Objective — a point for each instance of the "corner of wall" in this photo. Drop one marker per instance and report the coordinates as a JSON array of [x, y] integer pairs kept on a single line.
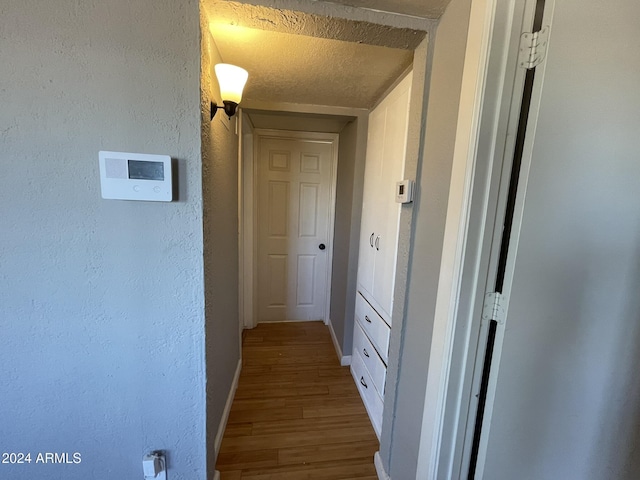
[[400, 444], [220, 147]]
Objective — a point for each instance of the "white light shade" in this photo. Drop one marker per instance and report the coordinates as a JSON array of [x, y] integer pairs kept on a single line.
[[231, 80]]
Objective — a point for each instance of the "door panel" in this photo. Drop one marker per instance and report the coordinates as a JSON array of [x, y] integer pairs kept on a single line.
[[567, 389], [277, 274], [389, 211], [308, 220], [306, 275], [370, 201], [279, 203], [294, 211]]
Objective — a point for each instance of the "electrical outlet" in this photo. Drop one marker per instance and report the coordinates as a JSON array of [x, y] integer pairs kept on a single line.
[[154, 466]]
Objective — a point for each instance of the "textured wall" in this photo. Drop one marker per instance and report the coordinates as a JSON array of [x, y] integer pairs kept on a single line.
[[354, 237], [220, 201], [340, 286], [430, 208], [101, 301], [423, 56]]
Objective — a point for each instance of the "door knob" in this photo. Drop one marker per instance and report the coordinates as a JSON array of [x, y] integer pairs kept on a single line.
[[321, 246]]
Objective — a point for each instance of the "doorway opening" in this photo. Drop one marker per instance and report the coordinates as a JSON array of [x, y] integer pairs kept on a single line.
[[304, 82]]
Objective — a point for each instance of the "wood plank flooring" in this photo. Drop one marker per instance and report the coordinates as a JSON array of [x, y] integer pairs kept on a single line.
[[296, 414]]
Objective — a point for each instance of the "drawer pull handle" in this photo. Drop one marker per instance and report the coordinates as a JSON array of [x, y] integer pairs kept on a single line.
[[364, 350], [367, 319], [363, 382], [378, 242], [371, 239]]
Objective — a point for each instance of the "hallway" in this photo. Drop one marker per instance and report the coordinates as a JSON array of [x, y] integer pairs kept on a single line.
[[297, 413]]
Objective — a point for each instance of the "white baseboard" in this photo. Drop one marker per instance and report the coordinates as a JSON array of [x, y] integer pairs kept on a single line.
[[225, 413], [377, 461], [345, 360]]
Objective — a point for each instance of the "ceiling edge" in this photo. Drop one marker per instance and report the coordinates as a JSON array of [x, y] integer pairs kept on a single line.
[[346, 12]]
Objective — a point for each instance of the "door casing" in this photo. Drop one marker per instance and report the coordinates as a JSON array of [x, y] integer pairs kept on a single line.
[[484, 140]]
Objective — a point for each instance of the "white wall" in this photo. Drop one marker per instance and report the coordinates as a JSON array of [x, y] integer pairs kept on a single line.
[[101, 301]]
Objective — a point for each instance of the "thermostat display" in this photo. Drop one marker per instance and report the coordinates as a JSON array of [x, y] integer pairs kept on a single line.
[[404, 191], [135, 176], [145, 170]]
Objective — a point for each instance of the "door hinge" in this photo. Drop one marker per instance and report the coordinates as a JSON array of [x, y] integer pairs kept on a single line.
[[493, 308], [533, 48]]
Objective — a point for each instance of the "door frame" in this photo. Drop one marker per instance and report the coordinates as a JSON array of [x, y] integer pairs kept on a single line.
[[483, 142], [249, 198]]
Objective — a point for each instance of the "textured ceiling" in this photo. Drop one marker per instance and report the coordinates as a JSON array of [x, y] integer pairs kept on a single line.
[[284, 67], [315, 52], [223, 12], [416, 8]]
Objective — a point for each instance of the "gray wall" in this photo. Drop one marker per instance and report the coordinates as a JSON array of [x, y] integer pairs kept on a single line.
[[354, 238], [220, 226], [568, 388], [345, 259], [101, 301], [400, 446], [422, 59]]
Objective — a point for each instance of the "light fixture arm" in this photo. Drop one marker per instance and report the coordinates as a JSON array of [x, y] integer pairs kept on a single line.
[[229, 108]]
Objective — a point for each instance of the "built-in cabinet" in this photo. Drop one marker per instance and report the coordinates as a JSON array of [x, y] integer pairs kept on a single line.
[[386, 147]]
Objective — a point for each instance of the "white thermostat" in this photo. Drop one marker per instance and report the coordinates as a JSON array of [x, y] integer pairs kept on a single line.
[[135, 176], [404, 191]]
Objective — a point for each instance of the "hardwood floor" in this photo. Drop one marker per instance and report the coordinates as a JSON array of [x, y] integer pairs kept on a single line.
[[297, 414]]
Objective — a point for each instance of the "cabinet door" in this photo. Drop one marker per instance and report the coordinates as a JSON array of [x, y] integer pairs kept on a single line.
[[388, 211], [370, 203]]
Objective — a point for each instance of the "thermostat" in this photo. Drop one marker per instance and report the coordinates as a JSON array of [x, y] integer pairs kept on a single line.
[[404, 191], [135, 176]]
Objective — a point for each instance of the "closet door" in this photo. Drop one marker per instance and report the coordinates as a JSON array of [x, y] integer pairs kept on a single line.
[[369, 230], [396, 108]]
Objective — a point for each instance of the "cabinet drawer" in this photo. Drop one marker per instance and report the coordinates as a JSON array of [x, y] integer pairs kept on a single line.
[[370, 397], [375, 366], [373, 325]]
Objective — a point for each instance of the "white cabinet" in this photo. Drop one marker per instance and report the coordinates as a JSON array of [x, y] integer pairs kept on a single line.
[[372, 400], [386, 147]]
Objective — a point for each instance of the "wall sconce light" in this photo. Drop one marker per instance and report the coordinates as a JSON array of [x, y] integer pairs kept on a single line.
[[232, 80]]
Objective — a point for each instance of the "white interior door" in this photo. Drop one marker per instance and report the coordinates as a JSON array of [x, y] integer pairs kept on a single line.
[[370, 202], [394, 149], [296, 196]]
